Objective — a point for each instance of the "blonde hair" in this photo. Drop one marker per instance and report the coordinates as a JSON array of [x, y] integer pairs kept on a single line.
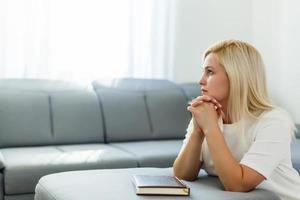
[[248, 95]]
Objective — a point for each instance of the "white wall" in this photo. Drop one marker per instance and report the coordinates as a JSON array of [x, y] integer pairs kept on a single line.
[[273, 26], [267, 39], [276, 33], [200, 23], [290, 65]]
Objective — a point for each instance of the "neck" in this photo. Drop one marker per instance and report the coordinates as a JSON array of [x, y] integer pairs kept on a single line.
[[225, 117], [226, 120]]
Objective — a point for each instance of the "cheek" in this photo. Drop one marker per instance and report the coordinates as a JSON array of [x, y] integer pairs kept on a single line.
[[224, 91], [221, 88], [224, 87]]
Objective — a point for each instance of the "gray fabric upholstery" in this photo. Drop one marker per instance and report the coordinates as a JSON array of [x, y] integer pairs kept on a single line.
[[44, 113], [20, 197], [76, 117], [192, 90], [298, 131], [295, 151], [1, 186], [24, 115], [48, 112], [145, 84], [125, 115], [97, 185], [160, 153], [168, 113], [1, 161], [24, 166], [159, 105], [166, 103]]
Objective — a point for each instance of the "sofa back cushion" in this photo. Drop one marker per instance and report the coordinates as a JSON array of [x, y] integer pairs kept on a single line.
[[24, 118], [41, 112], [142, 109], [169, 116], [191, 90], [76, 117], [125, 114]]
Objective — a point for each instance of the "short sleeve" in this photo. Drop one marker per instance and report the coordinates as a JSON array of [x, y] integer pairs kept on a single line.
[[271, 144]]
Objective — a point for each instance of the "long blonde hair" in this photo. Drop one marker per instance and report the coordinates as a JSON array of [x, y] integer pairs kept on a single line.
[[248, 95]]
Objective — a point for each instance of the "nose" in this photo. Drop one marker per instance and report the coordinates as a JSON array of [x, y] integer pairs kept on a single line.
[[202, 80]]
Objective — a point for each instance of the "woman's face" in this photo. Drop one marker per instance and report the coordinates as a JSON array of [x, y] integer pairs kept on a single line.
[[214, 81]]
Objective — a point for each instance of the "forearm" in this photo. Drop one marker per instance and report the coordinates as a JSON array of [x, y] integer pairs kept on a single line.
[[229, 170], [187, 164]]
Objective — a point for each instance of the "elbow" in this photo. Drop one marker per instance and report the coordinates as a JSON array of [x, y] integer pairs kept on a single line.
[[234, 189], [183, 176], [186, 178], [237, 188]]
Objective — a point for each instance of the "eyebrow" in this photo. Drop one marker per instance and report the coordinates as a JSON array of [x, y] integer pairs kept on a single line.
[[209, 67]]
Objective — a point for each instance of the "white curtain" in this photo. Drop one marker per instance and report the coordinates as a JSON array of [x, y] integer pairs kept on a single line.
[[86, 39]]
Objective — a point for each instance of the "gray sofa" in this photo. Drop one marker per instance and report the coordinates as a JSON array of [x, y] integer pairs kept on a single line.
[[53, 126]]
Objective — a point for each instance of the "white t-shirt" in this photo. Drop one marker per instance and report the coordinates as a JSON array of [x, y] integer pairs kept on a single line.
[[266, 149]]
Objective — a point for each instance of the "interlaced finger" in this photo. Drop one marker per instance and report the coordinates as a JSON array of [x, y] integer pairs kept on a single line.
[[200, 99]]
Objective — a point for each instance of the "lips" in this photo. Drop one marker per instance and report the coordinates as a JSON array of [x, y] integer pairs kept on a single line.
[[203, 90]]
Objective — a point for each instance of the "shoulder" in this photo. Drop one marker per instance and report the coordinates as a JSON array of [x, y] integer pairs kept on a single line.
[[276, 113], [275, 123]]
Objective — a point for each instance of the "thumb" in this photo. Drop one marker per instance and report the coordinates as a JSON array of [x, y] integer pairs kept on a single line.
[[221, 113], [191, 108]]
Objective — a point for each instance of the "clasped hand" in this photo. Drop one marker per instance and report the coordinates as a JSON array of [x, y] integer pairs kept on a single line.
[[205, 111]]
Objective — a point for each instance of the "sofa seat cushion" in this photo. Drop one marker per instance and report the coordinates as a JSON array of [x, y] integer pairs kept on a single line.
[[160, 153], [25, 166], [295, 150]]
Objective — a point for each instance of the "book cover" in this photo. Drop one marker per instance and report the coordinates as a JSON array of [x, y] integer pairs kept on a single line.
[[159, 185]]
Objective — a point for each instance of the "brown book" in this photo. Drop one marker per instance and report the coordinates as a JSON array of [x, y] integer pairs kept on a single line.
[[160, 185]]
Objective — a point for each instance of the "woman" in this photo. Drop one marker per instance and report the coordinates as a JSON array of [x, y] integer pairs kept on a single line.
[[235, 131]]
